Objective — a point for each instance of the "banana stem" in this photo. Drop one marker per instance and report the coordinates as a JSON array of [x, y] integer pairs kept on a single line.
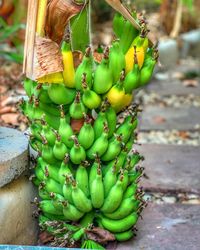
[[41, 17]]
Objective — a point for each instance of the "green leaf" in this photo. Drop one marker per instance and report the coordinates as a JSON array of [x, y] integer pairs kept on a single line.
[[12, 56]]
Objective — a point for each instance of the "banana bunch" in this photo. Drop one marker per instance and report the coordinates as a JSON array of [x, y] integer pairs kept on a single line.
[[86, 170]]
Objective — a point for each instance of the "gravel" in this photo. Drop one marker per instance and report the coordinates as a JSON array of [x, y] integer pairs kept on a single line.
[[173, 137]]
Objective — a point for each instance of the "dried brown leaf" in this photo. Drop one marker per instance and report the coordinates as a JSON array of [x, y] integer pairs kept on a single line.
[[78, 56], [45, 237], [58, 14], [190, 83], [99, 235], [48, 57], [159, 119]]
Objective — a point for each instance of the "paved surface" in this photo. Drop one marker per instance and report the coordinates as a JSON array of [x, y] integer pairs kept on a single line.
[[17, 225], [171, 168], [176, 88], [13, 156], [169, 118], [167, 227]]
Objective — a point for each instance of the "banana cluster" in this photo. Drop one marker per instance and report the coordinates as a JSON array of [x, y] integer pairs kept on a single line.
[[86, 170]]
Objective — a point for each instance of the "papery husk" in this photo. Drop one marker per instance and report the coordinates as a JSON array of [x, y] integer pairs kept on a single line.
[[58, 14], [48, 58]]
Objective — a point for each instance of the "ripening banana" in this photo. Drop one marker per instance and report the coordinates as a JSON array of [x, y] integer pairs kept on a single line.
[[68, 63]]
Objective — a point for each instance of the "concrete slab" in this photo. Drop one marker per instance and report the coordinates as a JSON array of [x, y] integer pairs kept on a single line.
[[167, 227], [171, 168], [17, 225], [176, 87], [169, 118], [13, 154]]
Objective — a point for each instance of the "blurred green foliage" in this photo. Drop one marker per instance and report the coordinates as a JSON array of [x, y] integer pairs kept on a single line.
[[10, 33]]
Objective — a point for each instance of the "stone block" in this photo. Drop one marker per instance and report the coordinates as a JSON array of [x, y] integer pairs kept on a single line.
[[169, 53], [13, 155]]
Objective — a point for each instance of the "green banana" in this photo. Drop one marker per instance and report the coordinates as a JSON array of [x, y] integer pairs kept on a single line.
[[47, 152], [52, 172], [147, 71], [77, 109], [48, 133], [93, 171], [47, 207], [90, 99], [87, 219], [132, 80], [126, 207], [135, 174], [52, 120], [133, 160], [118, 226], [29, 85], [52, 109], [57, 200], [130, 191], [126, 128], [35, 131], [128, 35], [64, 170], [43, 194], [116, 61], [54, 217], [77, 152], [79, 199], [99, 124], [59, 149], [111, 118], [39, 173], [84, 68], [125, 180], [77, 235], [100, 145], [103, 76], [113, 150], [114, 198], [67, 189], [71, 212], [52, 185], [43, 96], [86, 134], [110, 180], [65, 130], [60, 94], [124, 236], [82, 178], [97, 190], [118, 24]]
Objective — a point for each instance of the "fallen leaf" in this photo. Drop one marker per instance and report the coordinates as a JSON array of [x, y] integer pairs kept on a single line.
[[178, 75], [11, 118], [7, 109], [190, 83], [3, 89], [45, 237], [184, 134], [99, 235], [159, 119]]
